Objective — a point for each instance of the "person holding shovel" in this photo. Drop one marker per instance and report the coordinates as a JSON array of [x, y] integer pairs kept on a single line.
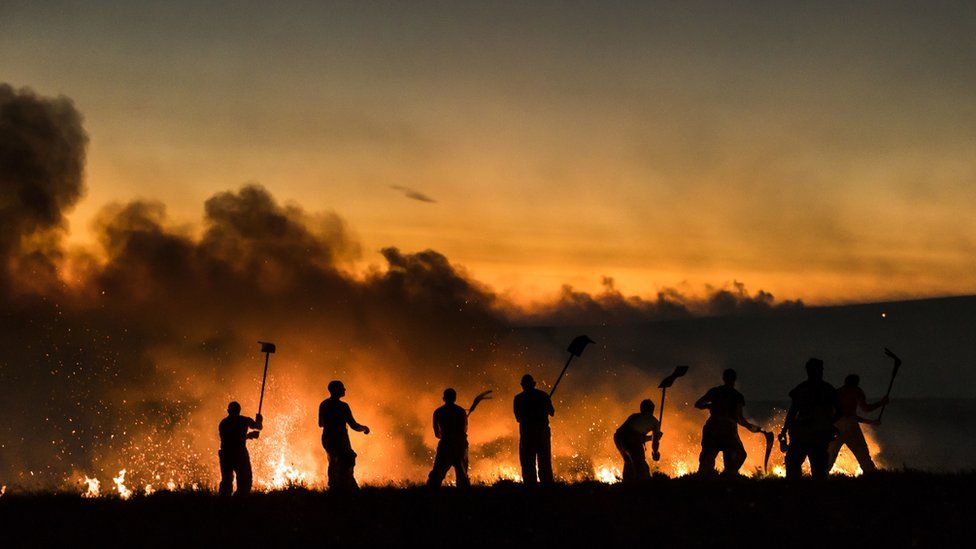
[[334, 416], [630, 438], [850, 397], [721, 431], [235, 431], [451, 430], [532, 410]]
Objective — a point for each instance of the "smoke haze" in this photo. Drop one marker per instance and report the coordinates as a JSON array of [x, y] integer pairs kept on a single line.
[[125, 355]]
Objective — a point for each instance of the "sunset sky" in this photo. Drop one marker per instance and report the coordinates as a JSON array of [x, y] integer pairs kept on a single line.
[[819, 151]]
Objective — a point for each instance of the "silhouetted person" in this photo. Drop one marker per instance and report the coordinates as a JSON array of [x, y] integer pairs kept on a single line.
[[630, 438], [334, 416], [850, 397], [235, 430], [451, 430], [532, 410], [810, 423], [721, 431]]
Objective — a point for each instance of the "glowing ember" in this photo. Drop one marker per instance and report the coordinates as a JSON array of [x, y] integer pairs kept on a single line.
[[93, 487], [3, 490], [124, 492]]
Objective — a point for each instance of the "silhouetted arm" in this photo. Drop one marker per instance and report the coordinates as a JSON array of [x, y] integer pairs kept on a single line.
[[863, 404], [517, 409], [549, 409], [741, 419], [790, 417], [356, 426], [437, 427], [322, 415], [704, 402], [257, 425]]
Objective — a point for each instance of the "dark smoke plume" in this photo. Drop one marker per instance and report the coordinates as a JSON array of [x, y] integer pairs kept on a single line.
[[42, 157]]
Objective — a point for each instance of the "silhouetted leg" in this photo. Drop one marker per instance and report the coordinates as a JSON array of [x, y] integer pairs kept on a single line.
[[226, 474], [859, 447], [244, 477], [628, 474], [733, 456], [461, 468], [795, 455], [441, 464], [545, 459], [833, 450], [706, 460], [527, 455], [342, 463], [642, 471], [818, 460]]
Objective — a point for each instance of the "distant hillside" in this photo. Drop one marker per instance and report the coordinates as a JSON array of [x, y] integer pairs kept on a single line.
[[935, 337]]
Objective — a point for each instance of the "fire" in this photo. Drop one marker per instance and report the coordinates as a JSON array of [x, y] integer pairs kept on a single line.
[[93, 487], [286, 475], [149, 490], [508, 472], [3, 490], [607, 474], [124, 492]]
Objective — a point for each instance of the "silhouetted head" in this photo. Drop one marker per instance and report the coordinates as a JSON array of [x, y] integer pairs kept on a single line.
[[729, 376], [852, 380], [450, 395], [337, 389], [647, 406], [528, 382], [234, 408], [814, 369]]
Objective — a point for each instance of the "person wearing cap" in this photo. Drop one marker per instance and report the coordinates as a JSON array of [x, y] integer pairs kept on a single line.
[[532, 411]]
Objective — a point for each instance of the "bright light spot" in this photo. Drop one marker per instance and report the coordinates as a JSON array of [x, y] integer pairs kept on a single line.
[[93, 487], [124, 492], [607, 474]]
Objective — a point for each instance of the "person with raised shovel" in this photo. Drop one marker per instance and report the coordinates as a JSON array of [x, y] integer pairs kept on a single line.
[[851, 397], [721, 431], [235, 430], [451, 430], [630, 438], [532, 410]]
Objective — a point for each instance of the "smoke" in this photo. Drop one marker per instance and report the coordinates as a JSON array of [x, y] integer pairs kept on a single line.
[[130, 361], [612, 307], [42, 156]]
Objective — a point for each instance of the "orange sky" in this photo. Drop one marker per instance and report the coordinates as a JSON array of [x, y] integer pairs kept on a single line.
[[816, 152]]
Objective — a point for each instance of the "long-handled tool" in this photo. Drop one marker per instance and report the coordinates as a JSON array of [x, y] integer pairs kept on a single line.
[[665, 383], [481, 396], [575, 349], [267, 349], [894, 372]]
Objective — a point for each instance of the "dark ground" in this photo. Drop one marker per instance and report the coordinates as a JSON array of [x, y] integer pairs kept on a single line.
[[900, 509]]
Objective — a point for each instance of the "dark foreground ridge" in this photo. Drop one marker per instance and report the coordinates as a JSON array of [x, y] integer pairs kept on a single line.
[[888, 509]]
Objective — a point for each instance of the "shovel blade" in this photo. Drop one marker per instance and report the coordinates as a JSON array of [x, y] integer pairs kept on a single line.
[[669, 381], [267, 347], [578, 344]]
